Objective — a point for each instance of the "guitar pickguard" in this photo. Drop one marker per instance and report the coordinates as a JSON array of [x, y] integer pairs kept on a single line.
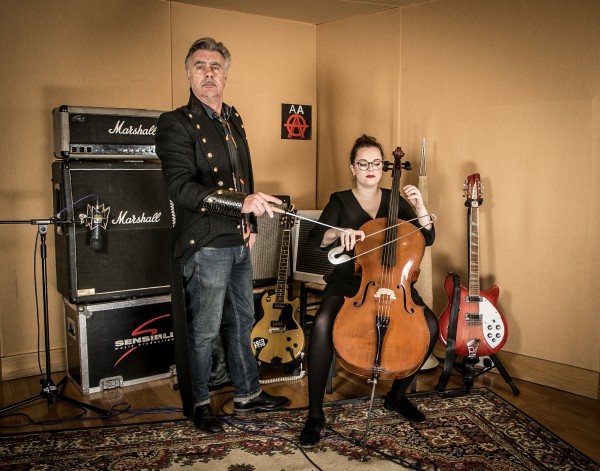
[[492, 324]]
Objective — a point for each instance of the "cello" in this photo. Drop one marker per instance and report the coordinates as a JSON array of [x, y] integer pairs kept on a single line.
[[381, 332]]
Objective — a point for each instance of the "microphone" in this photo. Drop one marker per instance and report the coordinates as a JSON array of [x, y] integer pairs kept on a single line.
[[96, 238]]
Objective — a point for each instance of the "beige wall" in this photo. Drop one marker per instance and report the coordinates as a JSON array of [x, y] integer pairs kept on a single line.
[[126, 54], [510, 90], [358, 85]]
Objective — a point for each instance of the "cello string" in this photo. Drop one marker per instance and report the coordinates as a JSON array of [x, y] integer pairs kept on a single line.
[[382, 283], [388, 301], [390, 251]]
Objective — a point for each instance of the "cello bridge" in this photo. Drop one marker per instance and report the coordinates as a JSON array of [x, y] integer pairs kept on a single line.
[[385, 292]]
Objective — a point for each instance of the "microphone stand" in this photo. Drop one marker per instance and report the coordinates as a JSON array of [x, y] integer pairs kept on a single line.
[[49, 390]]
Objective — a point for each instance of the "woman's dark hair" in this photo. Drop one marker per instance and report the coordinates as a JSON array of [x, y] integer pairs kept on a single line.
[[364, 141]]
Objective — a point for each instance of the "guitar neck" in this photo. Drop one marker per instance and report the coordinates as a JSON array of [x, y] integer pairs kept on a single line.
[[284, 262], [474, 287]]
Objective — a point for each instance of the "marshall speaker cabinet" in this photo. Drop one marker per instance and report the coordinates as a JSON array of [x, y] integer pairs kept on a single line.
[[114, 241], [104, 133], [120, 343]]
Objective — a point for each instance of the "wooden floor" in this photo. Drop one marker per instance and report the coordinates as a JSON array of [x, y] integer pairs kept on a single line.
[[575, 419]]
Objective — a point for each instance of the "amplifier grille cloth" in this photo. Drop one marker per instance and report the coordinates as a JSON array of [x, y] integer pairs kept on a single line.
[[266, 251], [309, 264]]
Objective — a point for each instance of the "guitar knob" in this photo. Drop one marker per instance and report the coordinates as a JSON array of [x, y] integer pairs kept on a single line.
[[490, 327], [497, 336], [489, 336], [498, 327]]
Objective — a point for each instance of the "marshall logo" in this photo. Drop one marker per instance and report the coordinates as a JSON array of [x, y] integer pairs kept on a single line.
[[125, 218], [139, 131]]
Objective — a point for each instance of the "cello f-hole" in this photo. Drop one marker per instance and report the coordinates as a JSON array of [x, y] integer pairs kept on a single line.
[[362, 301], [410, 311]]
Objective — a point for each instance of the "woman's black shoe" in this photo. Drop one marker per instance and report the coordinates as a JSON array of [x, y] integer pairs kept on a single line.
[[404, 408], [311, 433]]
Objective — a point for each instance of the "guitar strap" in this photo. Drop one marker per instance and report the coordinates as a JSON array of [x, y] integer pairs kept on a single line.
[[451, 341]]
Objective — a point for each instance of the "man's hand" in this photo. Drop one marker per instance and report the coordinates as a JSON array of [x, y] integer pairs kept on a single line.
[[259, 203]]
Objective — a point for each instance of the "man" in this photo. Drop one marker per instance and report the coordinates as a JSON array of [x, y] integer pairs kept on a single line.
[[208, 172]]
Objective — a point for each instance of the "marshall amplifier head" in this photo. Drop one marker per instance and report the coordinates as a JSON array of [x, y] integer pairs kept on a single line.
[[104, 133]]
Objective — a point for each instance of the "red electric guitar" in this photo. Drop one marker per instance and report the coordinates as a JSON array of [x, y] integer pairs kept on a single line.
[[481, 329]]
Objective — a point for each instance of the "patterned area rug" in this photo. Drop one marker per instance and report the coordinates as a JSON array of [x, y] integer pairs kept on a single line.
[[479, 431]]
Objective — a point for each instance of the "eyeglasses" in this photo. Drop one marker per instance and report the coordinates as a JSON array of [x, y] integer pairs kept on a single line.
[[364, 165]]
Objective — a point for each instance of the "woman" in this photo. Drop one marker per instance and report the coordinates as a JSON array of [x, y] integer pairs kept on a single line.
[[350, 209]]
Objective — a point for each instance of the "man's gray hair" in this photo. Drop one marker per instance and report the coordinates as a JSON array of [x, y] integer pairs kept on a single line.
[[209, 44]]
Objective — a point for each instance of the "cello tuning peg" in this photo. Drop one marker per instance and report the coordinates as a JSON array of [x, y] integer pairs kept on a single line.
[[406, 165]]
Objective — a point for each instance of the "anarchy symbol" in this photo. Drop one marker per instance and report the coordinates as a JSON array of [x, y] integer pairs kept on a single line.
[[296, 126]]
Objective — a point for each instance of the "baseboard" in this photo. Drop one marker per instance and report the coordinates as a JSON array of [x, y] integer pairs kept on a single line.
[[547, 373], [22, 366]]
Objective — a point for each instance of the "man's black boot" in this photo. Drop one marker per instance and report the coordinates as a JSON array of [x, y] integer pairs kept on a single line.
[[205, 420], [264, 402]]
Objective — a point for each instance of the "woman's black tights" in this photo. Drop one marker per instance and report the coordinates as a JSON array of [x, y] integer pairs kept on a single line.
[[320, 353]]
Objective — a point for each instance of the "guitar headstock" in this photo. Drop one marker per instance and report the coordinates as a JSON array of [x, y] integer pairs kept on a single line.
[[473, 189], [287, 219]]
